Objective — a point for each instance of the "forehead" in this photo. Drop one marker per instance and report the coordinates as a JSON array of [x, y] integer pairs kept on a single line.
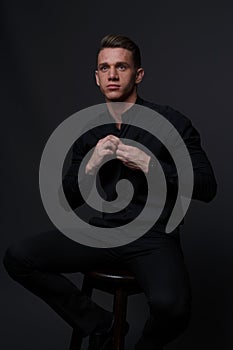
[[113, 55]]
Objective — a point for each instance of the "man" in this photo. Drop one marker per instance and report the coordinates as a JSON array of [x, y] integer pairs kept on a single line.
[[156, 258]]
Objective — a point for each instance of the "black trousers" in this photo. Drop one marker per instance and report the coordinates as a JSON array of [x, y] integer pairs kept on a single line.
[[39, 262]]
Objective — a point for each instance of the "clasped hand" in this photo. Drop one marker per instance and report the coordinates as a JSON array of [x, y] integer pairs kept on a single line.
[[130, 156]]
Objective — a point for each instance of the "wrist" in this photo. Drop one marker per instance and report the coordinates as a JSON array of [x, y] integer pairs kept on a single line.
[[89, 170], [152, 164], [146, 164]]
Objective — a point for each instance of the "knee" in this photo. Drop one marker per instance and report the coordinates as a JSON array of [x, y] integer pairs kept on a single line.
[[14, 260], [170, 306]]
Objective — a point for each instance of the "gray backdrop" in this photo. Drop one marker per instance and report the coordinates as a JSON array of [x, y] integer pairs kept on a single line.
[[48, 59]]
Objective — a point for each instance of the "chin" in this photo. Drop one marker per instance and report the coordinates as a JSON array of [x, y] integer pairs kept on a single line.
[[116, 97]]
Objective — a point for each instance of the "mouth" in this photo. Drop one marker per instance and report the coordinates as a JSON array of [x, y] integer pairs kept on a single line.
[[113, 86]]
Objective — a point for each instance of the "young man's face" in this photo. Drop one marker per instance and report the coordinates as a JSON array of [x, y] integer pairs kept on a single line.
[[117, 76]]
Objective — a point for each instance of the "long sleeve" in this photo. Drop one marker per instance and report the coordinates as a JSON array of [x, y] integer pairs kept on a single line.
[[71, 182], [205, 185]]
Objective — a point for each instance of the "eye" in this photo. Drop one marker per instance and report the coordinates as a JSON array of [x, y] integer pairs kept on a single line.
[[121, 67], [103, 68]]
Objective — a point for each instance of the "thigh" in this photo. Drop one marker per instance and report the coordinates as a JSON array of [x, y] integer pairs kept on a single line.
[[158, 264], [53, 251]]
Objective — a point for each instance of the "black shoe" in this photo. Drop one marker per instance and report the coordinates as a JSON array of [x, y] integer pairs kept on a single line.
[[104, 340]]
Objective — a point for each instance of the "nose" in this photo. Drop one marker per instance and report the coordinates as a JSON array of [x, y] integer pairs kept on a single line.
[[113, 75]]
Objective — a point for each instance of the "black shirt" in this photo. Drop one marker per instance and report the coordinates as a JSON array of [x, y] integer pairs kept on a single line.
[[112, 171]]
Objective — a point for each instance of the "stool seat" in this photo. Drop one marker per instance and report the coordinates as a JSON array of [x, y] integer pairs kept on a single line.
[[121, 275], [110, 280]]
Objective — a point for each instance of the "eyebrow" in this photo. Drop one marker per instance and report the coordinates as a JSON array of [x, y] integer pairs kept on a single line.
[[117, 63]]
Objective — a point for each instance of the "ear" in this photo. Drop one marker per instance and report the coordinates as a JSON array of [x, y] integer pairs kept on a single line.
[[139, 75], [97, 78]]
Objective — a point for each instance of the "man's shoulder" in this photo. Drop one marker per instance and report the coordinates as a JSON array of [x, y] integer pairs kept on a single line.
[[179, 120]]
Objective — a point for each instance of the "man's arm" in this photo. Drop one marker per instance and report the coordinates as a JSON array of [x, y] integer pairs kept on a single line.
[[205, 185], [70, 180], [73, 180]]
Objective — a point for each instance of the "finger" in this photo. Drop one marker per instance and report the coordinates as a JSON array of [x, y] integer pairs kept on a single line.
[[114, 138], [131, 165], [123, 147], [106, 152], [121, 154], [109, 145], [111, 138], [122, 159]]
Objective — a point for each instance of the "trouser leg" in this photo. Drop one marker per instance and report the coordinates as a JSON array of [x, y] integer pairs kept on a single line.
[[38, 263], [158, 264]]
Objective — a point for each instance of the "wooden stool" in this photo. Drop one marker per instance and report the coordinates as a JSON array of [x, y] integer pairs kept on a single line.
[[120, 283]]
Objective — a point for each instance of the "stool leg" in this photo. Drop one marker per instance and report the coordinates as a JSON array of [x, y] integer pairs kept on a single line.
[[77, 339], [120, 308]]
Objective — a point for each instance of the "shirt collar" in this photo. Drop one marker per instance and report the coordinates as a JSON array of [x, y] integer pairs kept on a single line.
[[130, 113]]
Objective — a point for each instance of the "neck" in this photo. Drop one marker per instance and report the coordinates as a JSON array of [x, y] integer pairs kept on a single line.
[[117, 108]]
